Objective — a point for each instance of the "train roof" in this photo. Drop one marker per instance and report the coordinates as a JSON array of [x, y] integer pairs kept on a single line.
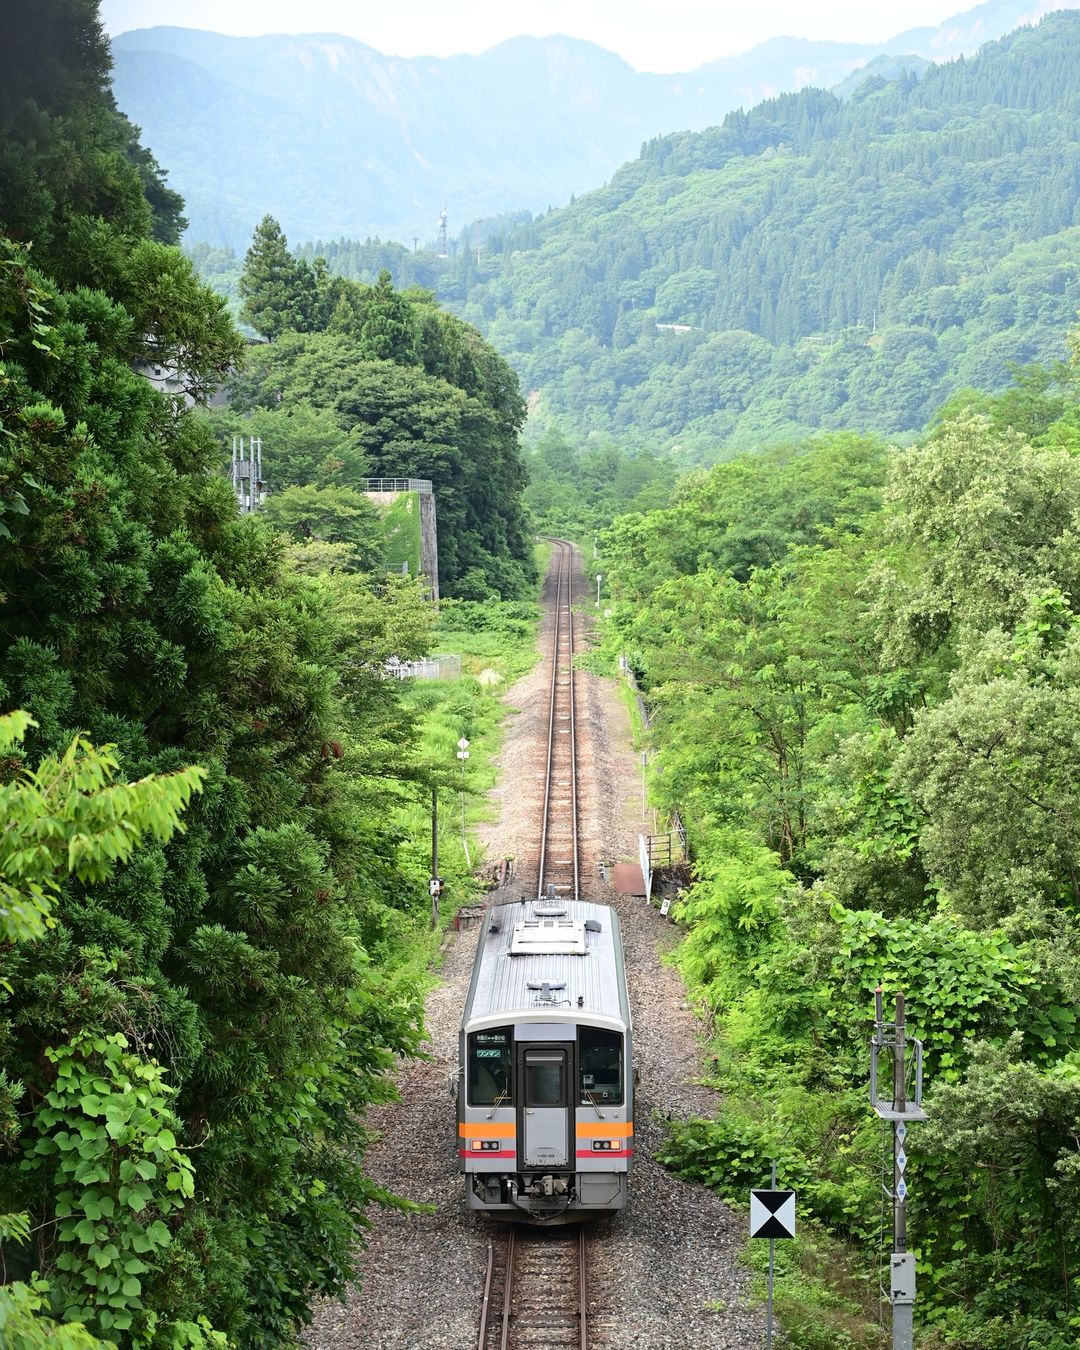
[[536, 959]]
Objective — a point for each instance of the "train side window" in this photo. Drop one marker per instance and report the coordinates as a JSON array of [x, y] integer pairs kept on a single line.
[[545, 1078], [490, 1062], [600, 1066]]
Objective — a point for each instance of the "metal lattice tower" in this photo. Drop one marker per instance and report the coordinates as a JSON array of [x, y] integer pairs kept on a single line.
[[246, 473], [441, 249]]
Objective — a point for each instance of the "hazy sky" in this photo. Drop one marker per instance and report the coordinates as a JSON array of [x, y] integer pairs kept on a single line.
[[667, 36]]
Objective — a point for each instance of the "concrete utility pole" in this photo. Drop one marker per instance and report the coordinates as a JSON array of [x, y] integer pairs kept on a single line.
[[893, 1039]]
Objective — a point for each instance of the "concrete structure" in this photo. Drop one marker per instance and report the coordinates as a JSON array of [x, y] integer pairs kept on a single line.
[[385, 493]]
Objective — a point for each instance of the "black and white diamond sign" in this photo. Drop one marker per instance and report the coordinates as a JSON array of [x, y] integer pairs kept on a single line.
[[772, 1214]]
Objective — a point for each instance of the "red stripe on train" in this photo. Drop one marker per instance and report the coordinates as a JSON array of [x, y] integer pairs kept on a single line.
[[581, 1153]]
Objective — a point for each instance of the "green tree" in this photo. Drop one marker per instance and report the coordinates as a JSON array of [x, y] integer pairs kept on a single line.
[[980, 517], [388, 327], [251, 951], [336, 515], [396, 420], [76, 181], [278, 292], [69, 817]]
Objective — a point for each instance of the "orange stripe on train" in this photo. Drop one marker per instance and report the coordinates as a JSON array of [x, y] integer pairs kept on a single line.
[[488, 1129], [605, 1129]]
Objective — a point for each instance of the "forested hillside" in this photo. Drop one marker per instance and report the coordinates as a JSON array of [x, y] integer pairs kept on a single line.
[[810, 264], [862, 669], [335, 138], [213, 918]]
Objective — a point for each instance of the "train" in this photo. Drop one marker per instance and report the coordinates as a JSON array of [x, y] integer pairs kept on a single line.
[[545, 1078]]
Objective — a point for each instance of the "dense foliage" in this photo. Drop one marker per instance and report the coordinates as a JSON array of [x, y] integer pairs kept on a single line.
[[811, 264], [574, 490], [862, 669], [190, 1032], [366, 381]]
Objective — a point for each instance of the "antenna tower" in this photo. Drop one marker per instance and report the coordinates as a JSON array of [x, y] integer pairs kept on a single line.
[[246, 473], [440, 241]]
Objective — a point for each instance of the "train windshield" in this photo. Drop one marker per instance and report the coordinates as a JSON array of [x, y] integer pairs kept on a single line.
[[490, 1061], [600, 1060]]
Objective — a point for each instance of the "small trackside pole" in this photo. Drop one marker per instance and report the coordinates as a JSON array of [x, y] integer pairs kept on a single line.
[[772, 1216], [772, 1258]]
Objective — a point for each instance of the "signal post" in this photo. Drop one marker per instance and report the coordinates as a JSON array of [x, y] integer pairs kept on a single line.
[[891, 1040]]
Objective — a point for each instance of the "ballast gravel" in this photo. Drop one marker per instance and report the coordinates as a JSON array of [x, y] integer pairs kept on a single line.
[[665, 1273]]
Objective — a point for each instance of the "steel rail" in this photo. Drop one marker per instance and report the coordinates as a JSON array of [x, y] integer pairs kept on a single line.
[[486, 1307], [563, 636], [546, 812], [573, 723], [583, 1302], [508, 1292]]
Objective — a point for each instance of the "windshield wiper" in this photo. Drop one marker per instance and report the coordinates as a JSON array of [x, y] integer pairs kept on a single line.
[[592, 1103]]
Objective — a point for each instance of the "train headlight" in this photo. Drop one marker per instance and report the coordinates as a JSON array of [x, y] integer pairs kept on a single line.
[[605, 1145], [485, 1146]]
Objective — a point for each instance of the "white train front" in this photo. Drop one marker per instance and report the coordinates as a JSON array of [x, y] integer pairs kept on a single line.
[[545, 1079]]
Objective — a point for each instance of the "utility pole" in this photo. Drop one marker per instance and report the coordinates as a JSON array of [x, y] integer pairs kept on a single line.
[[893, 1039]]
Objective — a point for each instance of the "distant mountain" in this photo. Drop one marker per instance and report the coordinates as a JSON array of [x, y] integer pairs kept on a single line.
[[336, 139], [813, 264], [880, 68]]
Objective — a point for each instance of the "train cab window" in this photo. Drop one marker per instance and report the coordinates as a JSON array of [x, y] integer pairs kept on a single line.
[[545, 1078], [490, 1063], [600, 1063]]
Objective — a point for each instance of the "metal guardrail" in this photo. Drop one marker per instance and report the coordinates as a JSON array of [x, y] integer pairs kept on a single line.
[[421, 485], [680, 830]]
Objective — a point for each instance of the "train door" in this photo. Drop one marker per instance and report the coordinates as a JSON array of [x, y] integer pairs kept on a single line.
[[545, 1134]]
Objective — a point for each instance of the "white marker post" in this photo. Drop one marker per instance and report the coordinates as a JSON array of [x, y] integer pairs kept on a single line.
[[463, 755]]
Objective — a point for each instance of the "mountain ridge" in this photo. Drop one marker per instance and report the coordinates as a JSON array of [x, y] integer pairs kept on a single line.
[[810, 265], [337, 139]]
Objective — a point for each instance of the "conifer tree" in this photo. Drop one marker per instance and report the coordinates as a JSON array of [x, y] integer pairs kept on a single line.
[[388, 328], [279, 292]]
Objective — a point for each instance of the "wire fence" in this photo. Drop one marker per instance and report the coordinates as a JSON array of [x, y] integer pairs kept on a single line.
[[428, 668]]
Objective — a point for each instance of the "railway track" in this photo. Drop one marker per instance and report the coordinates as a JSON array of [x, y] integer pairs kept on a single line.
[[536, 1291], [558, 864]]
